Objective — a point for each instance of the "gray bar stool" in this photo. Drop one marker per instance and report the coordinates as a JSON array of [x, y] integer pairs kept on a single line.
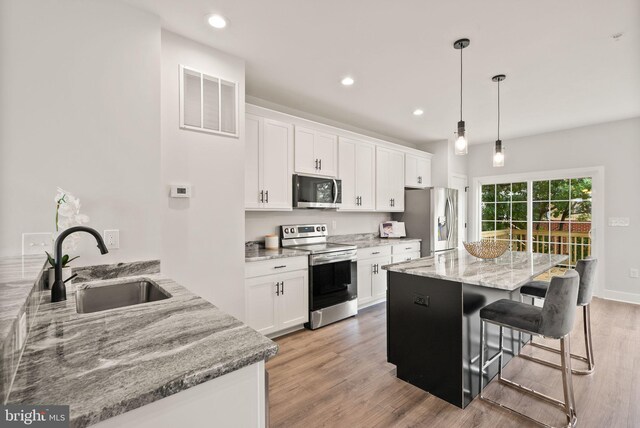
[[554, 321], [586, 268]]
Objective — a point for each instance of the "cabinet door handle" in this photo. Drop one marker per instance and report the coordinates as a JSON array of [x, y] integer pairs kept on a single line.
[[266, 194], [280, 267], [282, 288], [376, 252], [419, 180], [320, 164], [316, 164], [407, 248], [262, 196], [373, 269], [277, 288]]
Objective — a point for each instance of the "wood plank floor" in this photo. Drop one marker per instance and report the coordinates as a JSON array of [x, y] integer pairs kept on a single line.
[[338, 376]]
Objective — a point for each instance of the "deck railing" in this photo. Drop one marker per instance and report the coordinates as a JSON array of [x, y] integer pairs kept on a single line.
[[577, 245]]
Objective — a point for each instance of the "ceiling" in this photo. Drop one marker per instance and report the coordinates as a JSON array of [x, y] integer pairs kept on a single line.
[[564, 69]]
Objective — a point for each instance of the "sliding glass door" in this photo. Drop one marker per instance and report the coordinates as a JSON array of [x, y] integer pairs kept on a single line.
[[543, 216]]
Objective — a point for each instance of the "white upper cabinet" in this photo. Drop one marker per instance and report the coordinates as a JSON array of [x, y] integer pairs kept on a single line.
[[389, 180], [417, 172], [356, 170], [268, 164], [316, 152]]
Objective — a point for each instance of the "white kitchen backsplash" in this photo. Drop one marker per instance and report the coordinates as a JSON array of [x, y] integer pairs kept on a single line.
[[259, 224]]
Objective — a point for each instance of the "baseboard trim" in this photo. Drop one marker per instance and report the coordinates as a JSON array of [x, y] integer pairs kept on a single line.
[[621, 296], [285, 331], [371, 303]]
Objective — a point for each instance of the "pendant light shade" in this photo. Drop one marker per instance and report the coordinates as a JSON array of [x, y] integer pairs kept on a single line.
[[498, 155], [461, 137]]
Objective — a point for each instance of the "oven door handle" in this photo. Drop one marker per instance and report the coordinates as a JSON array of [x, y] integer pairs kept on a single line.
[[335, 191], [326, 259]]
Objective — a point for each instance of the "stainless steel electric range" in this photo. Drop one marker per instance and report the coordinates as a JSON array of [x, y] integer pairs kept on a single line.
[[332, 273]]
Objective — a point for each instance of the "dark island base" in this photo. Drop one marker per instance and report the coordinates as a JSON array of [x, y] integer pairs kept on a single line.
[[433, 334]]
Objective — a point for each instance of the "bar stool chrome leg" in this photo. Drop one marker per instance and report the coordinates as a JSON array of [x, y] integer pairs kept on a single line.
[[569, 403], [586, 309]]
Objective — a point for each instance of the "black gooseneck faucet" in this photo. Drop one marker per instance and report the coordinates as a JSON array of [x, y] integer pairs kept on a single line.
[[58, 289]]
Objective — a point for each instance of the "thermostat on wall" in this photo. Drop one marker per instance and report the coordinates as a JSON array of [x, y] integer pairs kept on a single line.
[[180, 191]]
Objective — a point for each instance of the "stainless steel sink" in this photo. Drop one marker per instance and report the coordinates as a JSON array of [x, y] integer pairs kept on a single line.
[[118, 295]]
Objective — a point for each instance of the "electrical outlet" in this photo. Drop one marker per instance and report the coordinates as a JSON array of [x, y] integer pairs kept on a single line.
[[112, 239], [36, 243], [633, 273]]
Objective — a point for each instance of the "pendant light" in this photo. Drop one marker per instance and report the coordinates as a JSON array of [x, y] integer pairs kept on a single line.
[[461, 144], [498, 155]]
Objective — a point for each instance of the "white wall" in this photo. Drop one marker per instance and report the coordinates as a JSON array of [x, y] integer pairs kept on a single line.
[[80, 109], [444, 162], [259, 224], [614, 146], [202, 245]]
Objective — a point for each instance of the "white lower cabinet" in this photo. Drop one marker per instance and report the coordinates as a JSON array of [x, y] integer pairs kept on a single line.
[[372, 280], [277, 301]]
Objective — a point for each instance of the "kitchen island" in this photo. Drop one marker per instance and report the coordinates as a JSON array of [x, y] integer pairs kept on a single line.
[[433, 324]]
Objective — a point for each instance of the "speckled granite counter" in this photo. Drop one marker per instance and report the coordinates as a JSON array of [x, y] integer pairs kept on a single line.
[[260, 254], [106, 363], [20, 280], [507, 272], [367, 240]]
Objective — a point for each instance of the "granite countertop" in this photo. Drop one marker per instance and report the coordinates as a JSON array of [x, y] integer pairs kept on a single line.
[[260, 254], [367, 240], [508, 272], [106, 363], [17, 277]]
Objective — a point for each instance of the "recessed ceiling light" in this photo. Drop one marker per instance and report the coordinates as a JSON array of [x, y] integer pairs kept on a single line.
[[418, 112], [347, 81], [217, 21]]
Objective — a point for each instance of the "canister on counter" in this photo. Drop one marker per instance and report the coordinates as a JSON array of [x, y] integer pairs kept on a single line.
[[271, 242]]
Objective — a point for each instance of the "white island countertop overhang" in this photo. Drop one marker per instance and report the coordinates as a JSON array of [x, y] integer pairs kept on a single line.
[[508, 272]]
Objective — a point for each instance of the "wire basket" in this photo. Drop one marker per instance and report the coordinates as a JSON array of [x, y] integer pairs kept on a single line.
[[486, 249]]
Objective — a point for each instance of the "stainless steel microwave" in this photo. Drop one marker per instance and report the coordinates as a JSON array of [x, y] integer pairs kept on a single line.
[[316, 192]]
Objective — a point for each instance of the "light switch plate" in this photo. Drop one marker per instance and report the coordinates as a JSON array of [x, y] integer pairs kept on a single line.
[[618, 221], [37, 243], [633, 273], [112, 239]]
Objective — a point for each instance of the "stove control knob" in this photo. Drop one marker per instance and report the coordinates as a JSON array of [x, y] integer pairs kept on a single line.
[[286, 230], [293, 230], [324, 228], [317, 228]]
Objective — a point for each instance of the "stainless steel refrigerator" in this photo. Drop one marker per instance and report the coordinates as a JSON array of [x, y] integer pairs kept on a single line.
[[432, 215]]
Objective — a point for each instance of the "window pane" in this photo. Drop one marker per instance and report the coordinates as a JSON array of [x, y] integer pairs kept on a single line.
[[519, 192], [580, 211], [581, 188], [519, 227], [559, 211], [540, 231], [503, 192], [489, 235], [503, 211], [541, 190], [559, 190], [540, 211], [488, 225], [488, 211], [488, 193], [519, 211]]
